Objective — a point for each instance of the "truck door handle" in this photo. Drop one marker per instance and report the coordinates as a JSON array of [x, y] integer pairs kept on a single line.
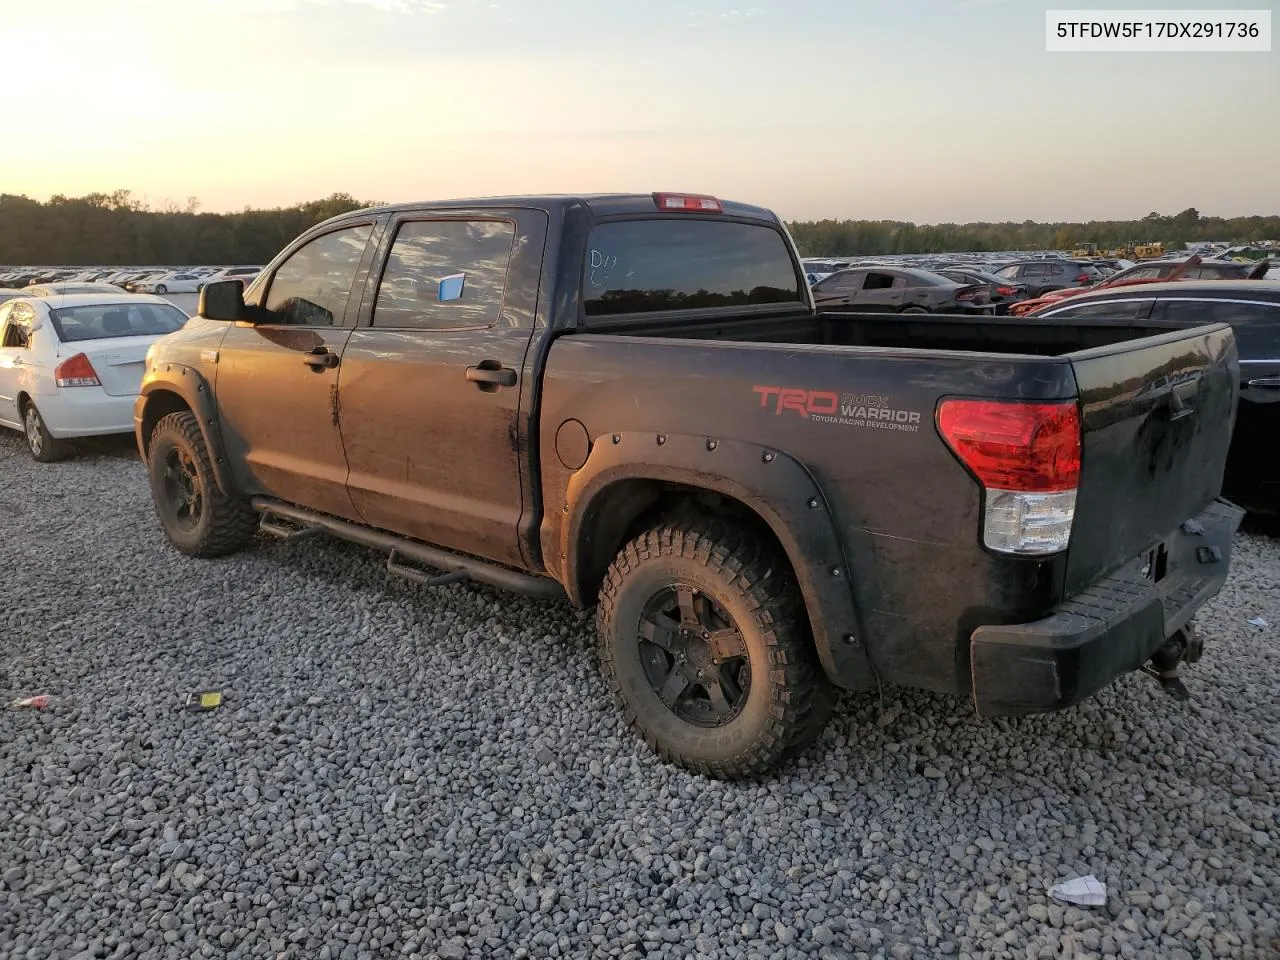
[[489, 374], [320, 358]]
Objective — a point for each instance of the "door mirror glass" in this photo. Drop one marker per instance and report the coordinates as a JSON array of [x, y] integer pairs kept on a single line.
[[222, 300]]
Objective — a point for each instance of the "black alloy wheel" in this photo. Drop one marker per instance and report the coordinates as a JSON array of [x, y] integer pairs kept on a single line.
[[694, 656]]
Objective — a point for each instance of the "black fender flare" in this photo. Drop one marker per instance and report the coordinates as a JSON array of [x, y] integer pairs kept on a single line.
[[779, 489], [191, 386]]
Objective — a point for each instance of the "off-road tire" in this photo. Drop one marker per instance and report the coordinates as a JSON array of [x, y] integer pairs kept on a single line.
[[790, 698], [225, 524], [45, 447]]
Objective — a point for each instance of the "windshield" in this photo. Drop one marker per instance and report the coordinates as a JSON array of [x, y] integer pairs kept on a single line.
[[103, 321], [637, 266]]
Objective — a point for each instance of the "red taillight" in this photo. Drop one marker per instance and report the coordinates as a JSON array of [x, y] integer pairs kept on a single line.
[[1083, 278], [1023, 447], [76, 371], [1005, 291], [688, 203]]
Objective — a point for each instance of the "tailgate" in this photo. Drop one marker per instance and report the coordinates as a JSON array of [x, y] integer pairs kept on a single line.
[[1157, 416]]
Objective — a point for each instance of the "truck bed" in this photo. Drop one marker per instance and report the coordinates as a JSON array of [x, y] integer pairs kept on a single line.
[[1002, 335], [853, 398]]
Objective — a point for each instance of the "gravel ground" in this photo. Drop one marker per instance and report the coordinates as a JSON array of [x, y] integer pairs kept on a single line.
[[404, 772]]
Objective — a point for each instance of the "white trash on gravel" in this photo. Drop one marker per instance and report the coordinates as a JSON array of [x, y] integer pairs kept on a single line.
[[401, 772], [1084, 891]]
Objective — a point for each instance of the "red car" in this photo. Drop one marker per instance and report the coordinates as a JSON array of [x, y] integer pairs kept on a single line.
[[1154, 271]]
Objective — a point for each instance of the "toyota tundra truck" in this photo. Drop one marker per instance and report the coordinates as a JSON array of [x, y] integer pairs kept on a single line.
[[629, 401]]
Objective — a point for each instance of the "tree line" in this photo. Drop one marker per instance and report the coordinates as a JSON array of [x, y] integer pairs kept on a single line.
[[117, 228]]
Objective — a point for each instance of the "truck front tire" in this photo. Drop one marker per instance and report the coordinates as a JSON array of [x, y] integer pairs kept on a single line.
[[197, 517], [704, 641]]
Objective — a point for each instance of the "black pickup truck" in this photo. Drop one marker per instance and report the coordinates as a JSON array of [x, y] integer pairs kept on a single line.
[[630, 400]]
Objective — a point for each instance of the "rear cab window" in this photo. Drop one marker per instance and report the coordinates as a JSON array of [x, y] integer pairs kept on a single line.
[[669, 263]]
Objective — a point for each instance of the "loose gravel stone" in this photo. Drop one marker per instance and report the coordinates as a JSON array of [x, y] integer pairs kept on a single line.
[[402, 771]]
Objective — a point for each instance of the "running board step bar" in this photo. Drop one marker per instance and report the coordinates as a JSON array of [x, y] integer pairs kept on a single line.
[[421, 576], [456, 567], [285, 531]]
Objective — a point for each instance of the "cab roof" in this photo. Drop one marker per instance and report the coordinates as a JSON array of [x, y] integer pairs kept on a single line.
[[600, 205]]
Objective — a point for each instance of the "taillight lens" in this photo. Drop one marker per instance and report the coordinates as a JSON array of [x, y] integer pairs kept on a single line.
[[1005, 291], [1083, 278], [76, 371], [1027, 458]]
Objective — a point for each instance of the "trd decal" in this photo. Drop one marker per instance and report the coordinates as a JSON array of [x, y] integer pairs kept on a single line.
[[803, 402], [850, 409]]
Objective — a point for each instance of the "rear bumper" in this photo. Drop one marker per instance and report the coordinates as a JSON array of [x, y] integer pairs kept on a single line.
[[85, 412], [1110, 629]]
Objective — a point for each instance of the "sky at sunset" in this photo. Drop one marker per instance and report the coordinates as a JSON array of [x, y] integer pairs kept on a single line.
[[925, 110]]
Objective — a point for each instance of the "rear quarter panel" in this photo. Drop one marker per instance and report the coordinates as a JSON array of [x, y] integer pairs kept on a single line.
[[907, 512]]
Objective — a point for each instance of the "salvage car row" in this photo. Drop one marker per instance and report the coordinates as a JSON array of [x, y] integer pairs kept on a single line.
[[1018, 287], [159, 280]]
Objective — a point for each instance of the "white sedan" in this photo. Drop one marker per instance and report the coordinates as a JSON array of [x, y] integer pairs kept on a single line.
[[247, 274], [72, 366], [172, 283]]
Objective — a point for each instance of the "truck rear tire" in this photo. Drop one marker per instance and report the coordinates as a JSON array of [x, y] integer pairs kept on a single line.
[[704, 641], [197, 517]]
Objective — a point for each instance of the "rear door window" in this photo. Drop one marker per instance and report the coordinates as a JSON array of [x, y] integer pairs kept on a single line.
[[643, 266], [882, 281], [445, 275], [1256, 323]]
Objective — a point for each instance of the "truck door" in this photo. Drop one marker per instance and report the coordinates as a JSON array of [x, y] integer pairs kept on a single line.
[[431, 386], [277, 379]]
